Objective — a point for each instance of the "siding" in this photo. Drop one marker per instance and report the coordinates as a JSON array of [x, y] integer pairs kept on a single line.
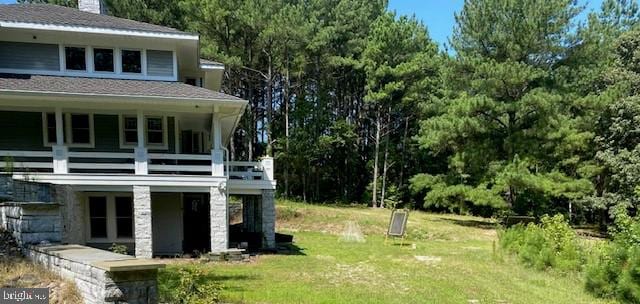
[[30, 56], [159, 63], [21, 131]]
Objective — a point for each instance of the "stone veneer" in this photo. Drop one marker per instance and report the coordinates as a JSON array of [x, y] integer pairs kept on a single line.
[[219, 220], [133, 282], [268, 219], [142, 221], [32, 223]]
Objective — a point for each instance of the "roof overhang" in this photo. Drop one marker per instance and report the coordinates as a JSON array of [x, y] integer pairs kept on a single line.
[[96, 30]]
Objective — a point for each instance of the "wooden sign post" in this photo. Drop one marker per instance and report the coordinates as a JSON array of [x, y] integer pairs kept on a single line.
[[397, 224]]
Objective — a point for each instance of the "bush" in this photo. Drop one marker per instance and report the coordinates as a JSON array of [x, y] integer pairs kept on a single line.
[[614, 268], [552, 244], [190, 285]]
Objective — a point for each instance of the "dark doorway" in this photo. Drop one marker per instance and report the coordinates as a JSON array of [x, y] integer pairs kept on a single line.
[[197, 229]]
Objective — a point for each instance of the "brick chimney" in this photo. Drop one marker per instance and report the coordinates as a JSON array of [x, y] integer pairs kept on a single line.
[[92, 6]]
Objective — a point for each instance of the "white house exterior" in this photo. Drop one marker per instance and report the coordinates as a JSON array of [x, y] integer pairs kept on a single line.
[[132, 122]]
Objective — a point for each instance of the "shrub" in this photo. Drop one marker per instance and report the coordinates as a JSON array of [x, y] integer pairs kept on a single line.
[[189, 285], [121, 249], [552, 244], [614, 268]]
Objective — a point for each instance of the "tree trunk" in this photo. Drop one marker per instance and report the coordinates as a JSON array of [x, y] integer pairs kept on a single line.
[[269, 116], [374, 200], [384, 162], [286, 132], [404, 145]]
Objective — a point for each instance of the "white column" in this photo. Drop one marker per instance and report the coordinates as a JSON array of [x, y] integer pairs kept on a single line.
[[219, 220], [142, 221], [217, 155], [267, 167], [59, 150], [140, 151], [268, 219]]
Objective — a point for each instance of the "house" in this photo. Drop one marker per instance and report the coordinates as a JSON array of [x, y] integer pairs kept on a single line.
[[129, 120]]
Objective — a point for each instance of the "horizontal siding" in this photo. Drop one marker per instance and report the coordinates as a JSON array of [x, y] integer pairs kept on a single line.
[[21, 131], [29, 56], [159, 63]]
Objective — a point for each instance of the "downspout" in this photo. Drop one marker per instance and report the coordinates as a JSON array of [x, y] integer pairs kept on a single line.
[[226, 188]]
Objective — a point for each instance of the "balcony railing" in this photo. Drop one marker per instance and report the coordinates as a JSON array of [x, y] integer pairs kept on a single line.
[[125, 163]]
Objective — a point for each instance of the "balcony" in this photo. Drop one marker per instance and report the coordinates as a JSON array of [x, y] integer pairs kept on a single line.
[[120, 169]]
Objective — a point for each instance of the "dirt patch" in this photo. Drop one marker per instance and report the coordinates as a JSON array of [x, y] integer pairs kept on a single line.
[[429, 260]]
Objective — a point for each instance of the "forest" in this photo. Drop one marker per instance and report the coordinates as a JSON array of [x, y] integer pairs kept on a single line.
[[529, 109]]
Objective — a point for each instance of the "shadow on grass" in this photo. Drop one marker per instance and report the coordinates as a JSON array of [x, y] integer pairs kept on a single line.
[[289, 249], [471, 223]]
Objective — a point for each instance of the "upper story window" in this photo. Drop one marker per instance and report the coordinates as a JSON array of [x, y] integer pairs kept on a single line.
[[75, 58], [79, 60], [131, 61], [156, 135], [103, 60], [77, 129]]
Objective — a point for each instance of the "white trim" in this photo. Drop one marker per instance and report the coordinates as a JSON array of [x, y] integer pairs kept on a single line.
[[68, 134], [206, 66], [104, 179], [95, 30]]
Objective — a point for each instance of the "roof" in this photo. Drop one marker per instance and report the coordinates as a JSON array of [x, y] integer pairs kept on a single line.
[[47, 14], [107, 87]]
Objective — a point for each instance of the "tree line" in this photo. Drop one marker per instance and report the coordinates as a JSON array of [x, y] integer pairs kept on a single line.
[[531, 107]]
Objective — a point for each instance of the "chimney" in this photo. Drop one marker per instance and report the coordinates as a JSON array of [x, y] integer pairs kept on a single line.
[[92, 6]]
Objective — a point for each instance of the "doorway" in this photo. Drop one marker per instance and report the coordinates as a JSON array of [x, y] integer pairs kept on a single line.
[[196, 219]]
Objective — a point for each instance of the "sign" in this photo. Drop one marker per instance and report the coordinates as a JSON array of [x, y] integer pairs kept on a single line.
[[24, 295], [398, 223]]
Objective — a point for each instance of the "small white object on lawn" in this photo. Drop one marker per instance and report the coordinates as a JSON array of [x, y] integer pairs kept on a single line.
[[352, 233]]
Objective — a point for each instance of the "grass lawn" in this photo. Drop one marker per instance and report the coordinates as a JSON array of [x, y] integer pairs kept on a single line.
[[448, 259]]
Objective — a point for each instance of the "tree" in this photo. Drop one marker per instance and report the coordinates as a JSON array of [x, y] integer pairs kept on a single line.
[[502, 105], [399, 61]]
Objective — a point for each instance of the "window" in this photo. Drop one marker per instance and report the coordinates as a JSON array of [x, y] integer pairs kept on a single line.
[[98, 216], [50, 130], [103, 60], [77, 129], [155, 131], [75, 58], [124, 217], [80, 129], [130, 130], [155, 128], [131, 61]]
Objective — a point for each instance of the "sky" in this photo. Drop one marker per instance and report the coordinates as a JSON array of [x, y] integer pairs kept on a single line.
[[437, 14]]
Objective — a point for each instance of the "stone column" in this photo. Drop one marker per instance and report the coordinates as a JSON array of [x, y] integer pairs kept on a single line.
[[268, 219], [219, 220], [142, 221]]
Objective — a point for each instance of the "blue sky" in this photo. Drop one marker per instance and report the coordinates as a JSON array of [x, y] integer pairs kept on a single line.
[[436, 14]]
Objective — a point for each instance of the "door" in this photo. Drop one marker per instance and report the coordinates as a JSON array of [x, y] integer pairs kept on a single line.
[[197, 229]]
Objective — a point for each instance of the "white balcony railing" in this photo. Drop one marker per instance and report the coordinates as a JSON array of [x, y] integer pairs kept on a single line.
[[125, 163]]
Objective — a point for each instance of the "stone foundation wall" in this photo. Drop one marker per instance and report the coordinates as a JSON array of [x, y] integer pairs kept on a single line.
[[95, 284], [32, 223]]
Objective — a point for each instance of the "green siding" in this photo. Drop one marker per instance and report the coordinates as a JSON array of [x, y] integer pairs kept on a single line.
[[21, 131]]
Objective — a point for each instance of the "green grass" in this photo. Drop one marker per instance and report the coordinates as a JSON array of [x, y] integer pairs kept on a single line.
[[456, 263]]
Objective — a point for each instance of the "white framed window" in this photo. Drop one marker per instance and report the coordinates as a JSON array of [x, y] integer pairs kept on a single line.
[[155, 128], [104, 60], [109, 217], [78, 129], [75, 58], [131, 61]]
